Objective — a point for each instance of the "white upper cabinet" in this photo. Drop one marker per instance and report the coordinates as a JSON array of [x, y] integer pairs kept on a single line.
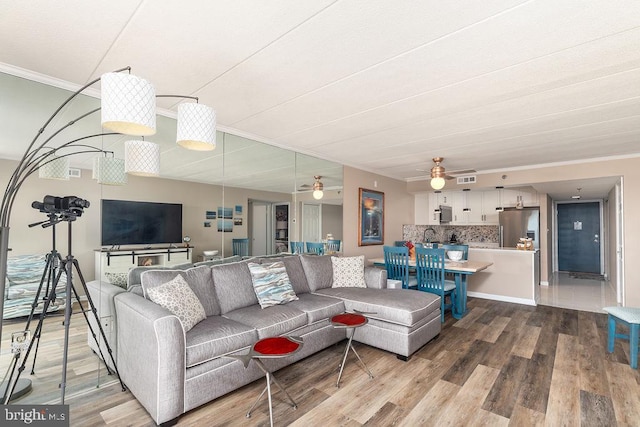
[[511, 197], [490, 201], [469, 207]]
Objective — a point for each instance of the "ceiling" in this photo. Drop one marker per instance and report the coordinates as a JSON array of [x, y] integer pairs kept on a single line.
[[382, 86]]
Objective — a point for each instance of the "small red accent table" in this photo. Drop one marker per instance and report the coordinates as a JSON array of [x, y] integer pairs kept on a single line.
[[270, 348], [350, 321]]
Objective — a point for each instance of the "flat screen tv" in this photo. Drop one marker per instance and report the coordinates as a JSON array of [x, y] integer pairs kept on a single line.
[[140, 223]]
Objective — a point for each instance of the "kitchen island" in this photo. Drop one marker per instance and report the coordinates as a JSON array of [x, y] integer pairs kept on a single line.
[[514, 275]]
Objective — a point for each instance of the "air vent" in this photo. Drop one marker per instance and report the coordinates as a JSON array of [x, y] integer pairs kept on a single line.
[[471, 179], [74, 173]]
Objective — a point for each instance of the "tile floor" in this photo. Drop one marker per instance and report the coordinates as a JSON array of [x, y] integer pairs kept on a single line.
[[578, 294]]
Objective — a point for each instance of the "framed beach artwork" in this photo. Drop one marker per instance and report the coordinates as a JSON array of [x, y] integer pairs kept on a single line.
[[370, 218]]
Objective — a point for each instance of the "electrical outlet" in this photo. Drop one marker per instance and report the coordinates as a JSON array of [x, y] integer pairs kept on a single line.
[[106, 323]]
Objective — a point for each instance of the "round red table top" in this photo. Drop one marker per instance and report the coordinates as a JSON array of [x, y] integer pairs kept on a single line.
[[349, 320], [276, 346]]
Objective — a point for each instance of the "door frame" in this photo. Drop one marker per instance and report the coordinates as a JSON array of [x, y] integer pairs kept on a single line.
[[602, 231], [620, 288]]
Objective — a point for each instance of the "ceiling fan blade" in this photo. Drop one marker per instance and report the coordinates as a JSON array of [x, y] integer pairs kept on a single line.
[[462, 172]]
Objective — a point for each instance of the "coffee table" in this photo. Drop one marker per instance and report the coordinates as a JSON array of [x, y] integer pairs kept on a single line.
[[350, 321], [270, 348]]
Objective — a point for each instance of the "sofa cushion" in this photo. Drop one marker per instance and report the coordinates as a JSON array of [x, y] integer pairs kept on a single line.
[[405, 307], [319, 271], [348, 272], [296, 274], [117, 279], [233, 286], [271, 321], [216, 336], [177, 297], [198, 278], [318, 307], [134, 275], [271, 284], [211, 263]]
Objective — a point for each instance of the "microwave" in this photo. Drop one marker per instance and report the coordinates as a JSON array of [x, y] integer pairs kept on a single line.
[[446, 214]]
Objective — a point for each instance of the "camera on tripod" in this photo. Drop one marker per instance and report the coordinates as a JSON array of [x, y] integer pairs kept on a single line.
[[67, 205]]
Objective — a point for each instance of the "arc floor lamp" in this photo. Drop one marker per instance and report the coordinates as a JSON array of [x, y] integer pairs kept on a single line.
[[128, 107]]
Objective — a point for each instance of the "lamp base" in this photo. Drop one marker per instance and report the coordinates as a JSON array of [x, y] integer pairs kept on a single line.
[[23, 386]]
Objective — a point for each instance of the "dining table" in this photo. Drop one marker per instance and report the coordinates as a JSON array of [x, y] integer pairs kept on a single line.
[[460, 270]]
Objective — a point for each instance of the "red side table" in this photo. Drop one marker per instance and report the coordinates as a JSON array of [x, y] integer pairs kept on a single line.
[[270, 348], [350, 321]]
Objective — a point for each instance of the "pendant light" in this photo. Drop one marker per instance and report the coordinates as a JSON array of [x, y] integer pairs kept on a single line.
[[196, 127], [128, 104], [109, 171], [142, 158], [56, 168]]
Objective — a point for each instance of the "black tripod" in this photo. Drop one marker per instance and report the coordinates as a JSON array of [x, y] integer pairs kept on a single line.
[[65, 265]]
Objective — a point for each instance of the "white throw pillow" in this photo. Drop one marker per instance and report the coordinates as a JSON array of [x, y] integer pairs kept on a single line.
[[177, 297], [348, 272]]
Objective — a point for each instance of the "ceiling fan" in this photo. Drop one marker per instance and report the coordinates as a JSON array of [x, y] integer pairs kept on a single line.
[[438, 174], [317, 187]]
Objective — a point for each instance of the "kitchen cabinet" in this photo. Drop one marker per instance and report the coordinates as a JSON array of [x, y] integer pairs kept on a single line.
[[481, 207], [511, 197]]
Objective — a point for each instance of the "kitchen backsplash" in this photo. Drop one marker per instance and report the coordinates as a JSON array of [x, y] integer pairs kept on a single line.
[[473, 235]]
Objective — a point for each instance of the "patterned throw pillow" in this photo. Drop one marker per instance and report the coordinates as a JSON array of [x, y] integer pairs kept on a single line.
[[271, 284], [177, 297], [118, 279], [348, 272]]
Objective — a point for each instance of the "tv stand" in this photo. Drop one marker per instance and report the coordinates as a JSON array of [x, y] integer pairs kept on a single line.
[[113, 265]]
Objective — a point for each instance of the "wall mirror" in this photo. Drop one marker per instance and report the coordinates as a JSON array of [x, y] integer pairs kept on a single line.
[[258, 188]]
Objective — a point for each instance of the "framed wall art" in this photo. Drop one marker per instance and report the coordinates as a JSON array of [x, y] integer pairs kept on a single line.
[[370, 218]]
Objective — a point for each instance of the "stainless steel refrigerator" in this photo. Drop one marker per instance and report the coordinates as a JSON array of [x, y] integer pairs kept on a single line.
[[518, 223]]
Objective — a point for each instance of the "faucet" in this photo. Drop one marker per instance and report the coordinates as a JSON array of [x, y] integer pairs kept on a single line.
[[424, 235]]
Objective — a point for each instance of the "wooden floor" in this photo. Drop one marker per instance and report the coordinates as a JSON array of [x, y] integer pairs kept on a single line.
[[503, 364]]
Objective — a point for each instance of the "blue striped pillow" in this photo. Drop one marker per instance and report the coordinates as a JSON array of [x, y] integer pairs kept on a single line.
[[271, 284]]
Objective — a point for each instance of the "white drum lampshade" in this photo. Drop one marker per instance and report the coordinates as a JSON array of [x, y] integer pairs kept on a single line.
[[55, 168], [128, 104], [196, 127], [142, 158], [110, 171]]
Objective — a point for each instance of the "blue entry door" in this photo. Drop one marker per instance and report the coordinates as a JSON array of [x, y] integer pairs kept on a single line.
[[579, 237]]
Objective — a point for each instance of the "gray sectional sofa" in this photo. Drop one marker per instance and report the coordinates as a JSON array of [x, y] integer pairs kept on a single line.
[[171, 372]]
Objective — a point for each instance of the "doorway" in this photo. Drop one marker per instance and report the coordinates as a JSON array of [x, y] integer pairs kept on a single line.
[[311, 220], [579, 237]]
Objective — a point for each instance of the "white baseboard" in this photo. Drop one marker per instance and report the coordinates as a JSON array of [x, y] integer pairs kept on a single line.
[[502, 298]]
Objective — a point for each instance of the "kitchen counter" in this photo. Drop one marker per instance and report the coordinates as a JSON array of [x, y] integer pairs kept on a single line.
[[513, 277]]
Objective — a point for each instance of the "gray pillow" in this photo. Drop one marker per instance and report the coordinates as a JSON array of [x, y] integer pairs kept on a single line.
[[319, 271], [198, 278], [233, 286], [295, 272]]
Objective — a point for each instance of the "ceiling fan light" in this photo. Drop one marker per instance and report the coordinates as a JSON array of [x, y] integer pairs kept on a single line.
[[128, 104], [437, 183], [142, 158], [56, 168], [196, 127], [317, 188]]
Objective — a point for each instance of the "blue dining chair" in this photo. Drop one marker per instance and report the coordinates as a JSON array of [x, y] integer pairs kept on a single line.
[[333, 245], [396, 262], [430, 274], [315, 248], [297, 247], [463, 248], [240, 247]]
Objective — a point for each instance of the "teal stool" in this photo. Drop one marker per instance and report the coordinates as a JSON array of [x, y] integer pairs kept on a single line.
[[630, 317]]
